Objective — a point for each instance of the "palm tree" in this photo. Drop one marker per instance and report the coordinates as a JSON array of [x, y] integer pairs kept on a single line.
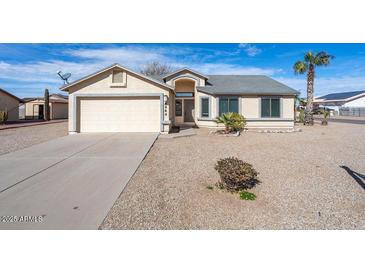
[[310, 62]]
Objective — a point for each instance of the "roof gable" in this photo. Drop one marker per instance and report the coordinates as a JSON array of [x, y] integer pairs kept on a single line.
[[181, 71], [65, 87], [11, 95]]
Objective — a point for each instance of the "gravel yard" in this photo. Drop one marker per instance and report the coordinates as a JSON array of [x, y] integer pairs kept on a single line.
[[18, 138], [303, 185]]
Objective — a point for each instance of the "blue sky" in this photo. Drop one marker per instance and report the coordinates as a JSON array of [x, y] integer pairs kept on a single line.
[[27, 69]]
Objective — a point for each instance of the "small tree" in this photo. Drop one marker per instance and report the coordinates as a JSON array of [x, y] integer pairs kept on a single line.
[[46, 106], [156, 68]]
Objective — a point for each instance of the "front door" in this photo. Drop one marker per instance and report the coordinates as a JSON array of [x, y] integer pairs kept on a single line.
[[188, 110], [41, 112]]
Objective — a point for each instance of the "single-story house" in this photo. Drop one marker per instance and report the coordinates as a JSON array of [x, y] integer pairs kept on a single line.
[[34, 107], [118, 99], [10, 103], [342, 101]]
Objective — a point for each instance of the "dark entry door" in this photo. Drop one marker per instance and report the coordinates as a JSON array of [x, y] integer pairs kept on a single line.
[[41, 112], [188, 110]]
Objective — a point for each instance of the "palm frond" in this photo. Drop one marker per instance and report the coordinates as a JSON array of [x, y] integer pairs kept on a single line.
[[300, 67], [322, 58], [309, 57]]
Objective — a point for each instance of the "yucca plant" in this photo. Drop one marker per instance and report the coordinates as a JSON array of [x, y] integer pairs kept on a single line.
[[232, 121], [308, 65]]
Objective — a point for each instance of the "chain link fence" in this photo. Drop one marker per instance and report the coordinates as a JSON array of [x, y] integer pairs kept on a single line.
[[352, 111]]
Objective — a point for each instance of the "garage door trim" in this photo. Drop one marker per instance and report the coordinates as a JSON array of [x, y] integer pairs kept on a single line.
[[116, 95]]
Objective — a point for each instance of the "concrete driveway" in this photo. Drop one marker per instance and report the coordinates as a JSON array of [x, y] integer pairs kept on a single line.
[[69, 182]]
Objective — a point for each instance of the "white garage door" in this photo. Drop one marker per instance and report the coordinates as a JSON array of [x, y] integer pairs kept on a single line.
[[140, 114]]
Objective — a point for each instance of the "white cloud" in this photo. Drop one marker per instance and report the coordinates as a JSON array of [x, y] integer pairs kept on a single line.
[[222, 68], [129, 56], [250, 50], [43, 71], [325, 85]]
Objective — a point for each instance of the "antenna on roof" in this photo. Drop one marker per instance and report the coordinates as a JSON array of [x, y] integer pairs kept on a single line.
[[64, 77]]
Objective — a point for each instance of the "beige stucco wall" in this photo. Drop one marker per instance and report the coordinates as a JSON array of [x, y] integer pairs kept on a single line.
[[102, 84], [31, 109], [59, 110], [250, 109], [11, 105]]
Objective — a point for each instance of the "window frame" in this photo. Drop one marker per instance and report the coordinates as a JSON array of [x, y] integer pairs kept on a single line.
[[201, 107], [229, 98], [181, 103], [270, 105]]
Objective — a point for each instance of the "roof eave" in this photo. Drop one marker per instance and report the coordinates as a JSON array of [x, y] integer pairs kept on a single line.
[[245, 93], [11, 95]]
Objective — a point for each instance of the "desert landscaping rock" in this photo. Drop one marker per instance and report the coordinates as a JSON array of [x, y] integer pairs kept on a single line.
[[19, 138], [303, 185]]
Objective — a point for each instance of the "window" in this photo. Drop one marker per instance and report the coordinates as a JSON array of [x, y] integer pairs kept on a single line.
[[184, 94], [270, 107], [118, 76], [204, 107], [228, 105], [178, 108]]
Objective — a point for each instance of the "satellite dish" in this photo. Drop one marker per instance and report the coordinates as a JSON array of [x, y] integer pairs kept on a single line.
[[64, 76]]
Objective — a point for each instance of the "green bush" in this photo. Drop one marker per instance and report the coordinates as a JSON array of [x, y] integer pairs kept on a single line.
[[232, 121], [235, 174], [3, 116], [245, 195]]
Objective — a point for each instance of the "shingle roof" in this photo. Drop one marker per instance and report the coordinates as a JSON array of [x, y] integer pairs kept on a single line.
[[340, 95], [245, 84], [61, 98], [217, 84]]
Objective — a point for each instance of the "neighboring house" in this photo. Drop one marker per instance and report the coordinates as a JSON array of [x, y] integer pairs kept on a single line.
[[342, 101], [34, 107], [117, 99], [10, 103]]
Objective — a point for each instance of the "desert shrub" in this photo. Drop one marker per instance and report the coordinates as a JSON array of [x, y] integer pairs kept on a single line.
[[245, 195], [210, 187], [325, 114], [232, 121], [235, 174], [3, 116], [301, 116]]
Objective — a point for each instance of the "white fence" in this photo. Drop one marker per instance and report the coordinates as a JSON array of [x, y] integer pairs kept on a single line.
[[352, 111]]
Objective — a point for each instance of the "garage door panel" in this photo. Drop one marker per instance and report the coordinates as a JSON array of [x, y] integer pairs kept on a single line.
[[120, 114]]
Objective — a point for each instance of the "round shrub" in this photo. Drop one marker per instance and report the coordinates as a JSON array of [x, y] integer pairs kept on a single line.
[[236, 174]]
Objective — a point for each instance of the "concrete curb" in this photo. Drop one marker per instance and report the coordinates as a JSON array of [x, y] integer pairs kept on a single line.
[[32, 124]]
